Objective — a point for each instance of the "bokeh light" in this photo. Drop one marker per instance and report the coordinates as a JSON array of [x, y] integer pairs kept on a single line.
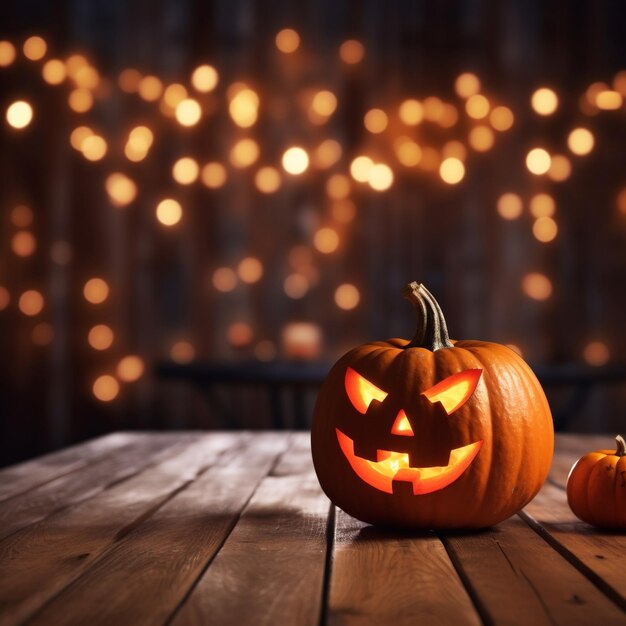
[[375, 121], [204, 78], [7, 53], [80, 100], [31, 302], [224, 279], [411, 112], [326, 240], [96, 290], [295, 160], [250, 270], [580, 141], [542, 205], [150, 88], [5, 298], [213, 175], [23, 243], [54, 72], [544, 101], [287, 40], [380, 177], [509, 206], [267, 179], [481, 138], [351, 51], [296, 286], [467, 85], [501, 118], [22, 216], [243, 108], [596, 353], [185, 170], [100, 337], [19, 114], [169, 212], [188, 112], [537, 286], [94, 147], [347, 296], [35, 48], [452, 170], [477, 106], [560, 168], [239, 334], [182, 352], [105, 388], [121, 189], [244, 153], [545, 229], [130, 368], [538, 161]]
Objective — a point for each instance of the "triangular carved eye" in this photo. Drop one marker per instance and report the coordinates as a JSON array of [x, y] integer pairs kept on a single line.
[[361, 391], [454, 391], [401, 425]]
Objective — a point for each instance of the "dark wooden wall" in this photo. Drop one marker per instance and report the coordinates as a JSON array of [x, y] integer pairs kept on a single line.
[[450, 237]]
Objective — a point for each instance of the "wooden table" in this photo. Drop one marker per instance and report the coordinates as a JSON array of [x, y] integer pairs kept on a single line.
[[232, 528]]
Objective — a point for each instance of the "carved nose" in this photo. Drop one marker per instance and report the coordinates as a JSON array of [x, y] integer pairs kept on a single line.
[[401, 425]]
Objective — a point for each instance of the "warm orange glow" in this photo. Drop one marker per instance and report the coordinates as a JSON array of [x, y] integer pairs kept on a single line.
[[22, 216], [452, 170], [169, 212], [509, 206], [301, 340], [467, 85], [619, 82], [120, 189], [431, 159], [596, 353], [620, 201], [454, 149], [545, 229], [542, 205], [204, 78], [296, 286], [326, 240], [23, 243], [560, 168], [454, 391], [139, 142], [323, 105], [250, 270], [213, 175], [544, 101], [481, 138], [411, 112], [7, 53], [380, 177], [361, 391], [78, 136], [94, 147], [54, 72], [173, 95], [80, 100], [376, 121], [609, 100], [130, 368], [244, 153], [407, 152], [538, 161], [295, 160], [96, 290], [434, 109], [327, 153], [580, 141], [150, 88], [74, 63], [106, 388], [287, 40], [501, 118], [87, 77], [338, 186], [185, 171], [188, 112], [267, 179], [19, 114], [344, 211], [31, 302], [394, 466], [100, 337], [182, 352], [244, 108], [43, 334], [224, 279], [477, 106], [239, 334], [347, 296], [129, 80], [35, 48], [537, 286], [265, 350], [360, 168], [5, 298], [401, 425], [351, 51]]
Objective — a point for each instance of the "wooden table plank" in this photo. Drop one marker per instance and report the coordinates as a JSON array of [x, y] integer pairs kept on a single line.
[[44, 500], [516, 578], [601, 555], [19, 478], [38, 562], [386, 577], [144, 577], [271, 568]]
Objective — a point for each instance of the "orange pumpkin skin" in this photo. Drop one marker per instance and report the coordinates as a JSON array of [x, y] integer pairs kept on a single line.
[[507, 411], [596, 487]]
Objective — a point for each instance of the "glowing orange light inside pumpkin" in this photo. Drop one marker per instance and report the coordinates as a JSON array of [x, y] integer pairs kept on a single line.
[[394, 466], [361, 391], [455, 390], [401, 425]]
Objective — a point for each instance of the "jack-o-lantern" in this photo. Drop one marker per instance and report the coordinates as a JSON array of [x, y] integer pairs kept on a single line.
[[431, 433]]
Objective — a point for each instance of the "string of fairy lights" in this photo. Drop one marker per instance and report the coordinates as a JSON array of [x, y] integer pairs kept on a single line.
[[391, 146]]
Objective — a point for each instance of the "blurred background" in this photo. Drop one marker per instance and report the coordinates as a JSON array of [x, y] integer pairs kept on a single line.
[[204, 203]]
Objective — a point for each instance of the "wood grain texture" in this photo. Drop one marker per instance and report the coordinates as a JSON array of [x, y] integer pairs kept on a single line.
[[601, 555], [386, 577], [516, 578], [271, 568], [44, 500], [38, 562], [145, 575], [19, 478]]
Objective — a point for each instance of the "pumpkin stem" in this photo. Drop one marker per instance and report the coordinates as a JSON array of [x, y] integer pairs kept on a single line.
[[432, 331], [621, 446]]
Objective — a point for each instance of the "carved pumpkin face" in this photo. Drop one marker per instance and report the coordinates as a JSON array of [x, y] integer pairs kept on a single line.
[[430, 433], [391, 465]]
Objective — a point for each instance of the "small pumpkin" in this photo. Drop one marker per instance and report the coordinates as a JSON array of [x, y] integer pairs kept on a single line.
[[431, 433], [596, 487]]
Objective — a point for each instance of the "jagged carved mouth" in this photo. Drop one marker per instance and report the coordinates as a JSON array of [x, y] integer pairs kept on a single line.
[[393, 467]]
